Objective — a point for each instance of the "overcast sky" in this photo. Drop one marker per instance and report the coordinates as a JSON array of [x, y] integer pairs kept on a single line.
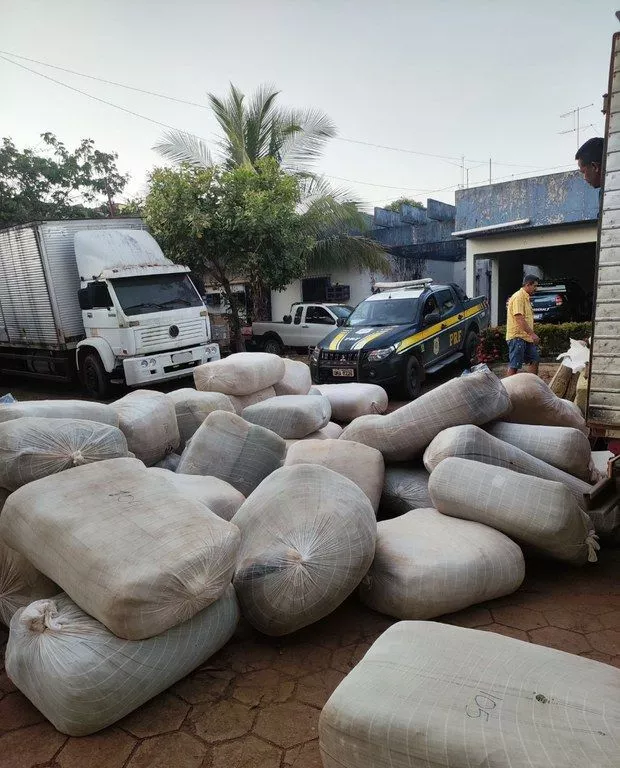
[[479, 78]]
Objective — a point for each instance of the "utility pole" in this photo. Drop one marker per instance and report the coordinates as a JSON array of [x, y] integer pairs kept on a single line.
[[490, 174], [576, 121], [462, 171]]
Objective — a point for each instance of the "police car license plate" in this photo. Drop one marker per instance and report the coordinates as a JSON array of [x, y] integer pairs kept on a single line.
[[344, 372]]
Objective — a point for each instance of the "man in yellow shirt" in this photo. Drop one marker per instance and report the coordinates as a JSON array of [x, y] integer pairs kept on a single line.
[[520, 334]]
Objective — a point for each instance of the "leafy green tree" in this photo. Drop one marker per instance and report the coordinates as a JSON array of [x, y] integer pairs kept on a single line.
[[56, 183], [231, 224], [396, 204], [258, 128]]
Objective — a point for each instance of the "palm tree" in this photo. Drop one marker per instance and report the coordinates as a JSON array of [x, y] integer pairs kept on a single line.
[[258, 128]]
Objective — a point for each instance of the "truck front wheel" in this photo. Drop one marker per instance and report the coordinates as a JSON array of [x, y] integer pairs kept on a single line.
[[94, 377], [273, 346], [414, 375]]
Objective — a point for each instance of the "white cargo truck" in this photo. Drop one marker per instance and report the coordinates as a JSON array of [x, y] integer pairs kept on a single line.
[[97, 297]]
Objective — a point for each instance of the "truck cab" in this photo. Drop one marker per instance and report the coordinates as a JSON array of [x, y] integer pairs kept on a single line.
[[305, 325], [401, 333], [143, 318]]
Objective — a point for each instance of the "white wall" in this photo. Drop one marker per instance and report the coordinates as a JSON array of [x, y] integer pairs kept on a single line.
[[359, 281]]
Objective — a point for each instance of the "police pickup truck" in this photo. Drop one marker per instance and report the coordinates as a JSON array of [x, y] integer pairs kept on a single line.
[[401, 333]]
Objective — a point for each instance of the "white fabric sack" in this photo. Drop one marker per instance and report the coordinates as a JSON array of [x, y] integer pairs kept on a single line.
[[566, 448], [297, 379], [240, 374], [215, 494], [193, 407], [83, 678], [60, 409], [469, 442], [330, 431], [227, 447], [20, 583], [290, 416], [169, 462], [125, 545], [405, 433], [431, 695], [349, 401], [404, 489], [149, 422], [362, 465], [32, 448], [427, 564], [308, 538], [239, 402], [540, 513], [533, 402]]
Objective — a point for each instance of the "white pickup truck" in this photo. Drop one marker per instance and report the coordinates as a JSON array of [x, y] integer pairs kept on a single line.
[[305, 326]]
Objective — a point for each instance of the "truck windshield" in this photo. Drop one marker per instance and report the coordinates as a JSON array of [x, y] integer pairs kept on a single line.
[[340, 310], [384, 312], [154, 293]]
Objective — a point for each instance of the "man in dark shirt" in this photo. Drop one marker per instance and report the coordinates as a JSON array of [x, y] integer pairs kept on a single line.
[[589, 158]]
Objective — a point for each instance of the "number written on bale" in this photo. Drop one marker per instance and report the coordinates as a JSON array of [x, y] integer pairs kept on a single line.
[[481, 705]]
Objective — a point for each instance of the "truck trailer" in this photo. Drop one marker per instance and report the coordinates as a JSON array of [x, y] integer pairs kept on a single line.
[[97, 298]]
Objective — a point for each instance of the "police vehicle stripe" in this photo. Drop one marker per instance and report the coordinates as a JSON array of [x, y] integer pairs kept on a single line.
[[333, 344], [434, 330]]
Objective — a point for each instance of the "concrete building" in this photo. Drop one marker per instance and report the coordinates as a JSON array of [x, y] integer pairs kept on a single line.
[[546, 225], [420, 243]]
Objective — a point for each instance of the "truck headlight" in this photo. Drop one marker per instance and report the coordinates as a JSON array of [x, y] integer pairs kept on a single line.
[[315, 354], [144, 363], [376, 355], [152, 362]]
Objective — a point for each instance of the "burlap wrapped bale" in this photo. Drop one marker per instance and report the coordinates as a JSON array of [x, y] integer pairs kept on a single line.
[[149, 422], [427, 564], [227, 447], [405, 433], [83, 678], [566, 448], [361, 464], [215, 494], [433, 695], [125, 545], [330, 431], [290, 416], [469, 442], [60, 409], [534, 403], [404, 489], [308, 538], [169, 462], [20, 583], [240, 374], [540, 513], [32, 448], [297, 379], [239, 403], [193, 407], [350, 401], [560, 381]]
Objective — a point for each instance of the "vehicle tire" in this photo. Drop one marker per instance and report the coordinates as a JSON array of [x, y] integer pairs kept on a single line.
[[414, 376], [273, 346], [470, 349], [94, 377]]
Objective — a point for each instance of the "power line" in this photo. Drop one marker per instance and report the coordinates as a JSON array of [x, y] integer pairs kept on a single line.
[[102, 101], [451, 159]]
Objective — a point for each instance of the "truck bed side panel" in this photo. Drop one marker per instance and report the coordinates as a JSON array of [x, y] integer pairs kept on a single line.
[[603, 412], [26, 305]]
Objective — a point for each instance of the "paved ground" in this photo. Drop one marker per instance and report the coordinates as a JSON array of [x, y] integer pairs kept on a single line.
[[256, 703]]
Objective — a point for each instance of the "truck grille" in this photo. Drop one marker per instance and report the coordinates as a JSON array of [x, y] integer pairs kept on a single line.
[[159, 337], [334, 358]]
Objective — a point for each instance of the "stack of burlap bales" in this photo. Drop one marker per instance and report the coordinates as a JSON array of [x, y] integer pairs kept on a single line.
[[129, 531]]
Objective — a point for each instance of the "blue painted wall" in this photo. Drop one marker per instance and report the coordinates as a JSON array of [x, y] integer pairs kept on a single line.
[[558, 198]]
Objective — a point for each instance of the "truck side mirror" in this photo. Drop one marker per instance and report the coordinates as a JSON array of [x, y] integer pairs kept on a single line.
[[341, 321], [84, 298], [287, 319]]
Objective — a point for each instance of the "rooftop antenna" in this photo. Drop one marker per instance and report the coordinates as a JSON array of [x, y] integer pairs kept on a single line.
[[576, 114]]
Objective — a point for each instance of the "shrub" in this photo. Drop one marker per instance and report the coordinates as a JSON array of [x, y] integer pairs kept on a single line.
[[554, 339]]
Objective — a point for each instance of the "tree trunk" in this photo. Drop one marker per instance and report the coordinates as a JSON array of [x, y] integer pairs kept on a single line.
[[237, 344], [261, 302]]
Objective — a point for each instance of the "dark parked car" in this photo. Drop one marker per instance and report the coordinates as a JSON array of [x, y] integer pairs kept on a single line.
[[561, 301]]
